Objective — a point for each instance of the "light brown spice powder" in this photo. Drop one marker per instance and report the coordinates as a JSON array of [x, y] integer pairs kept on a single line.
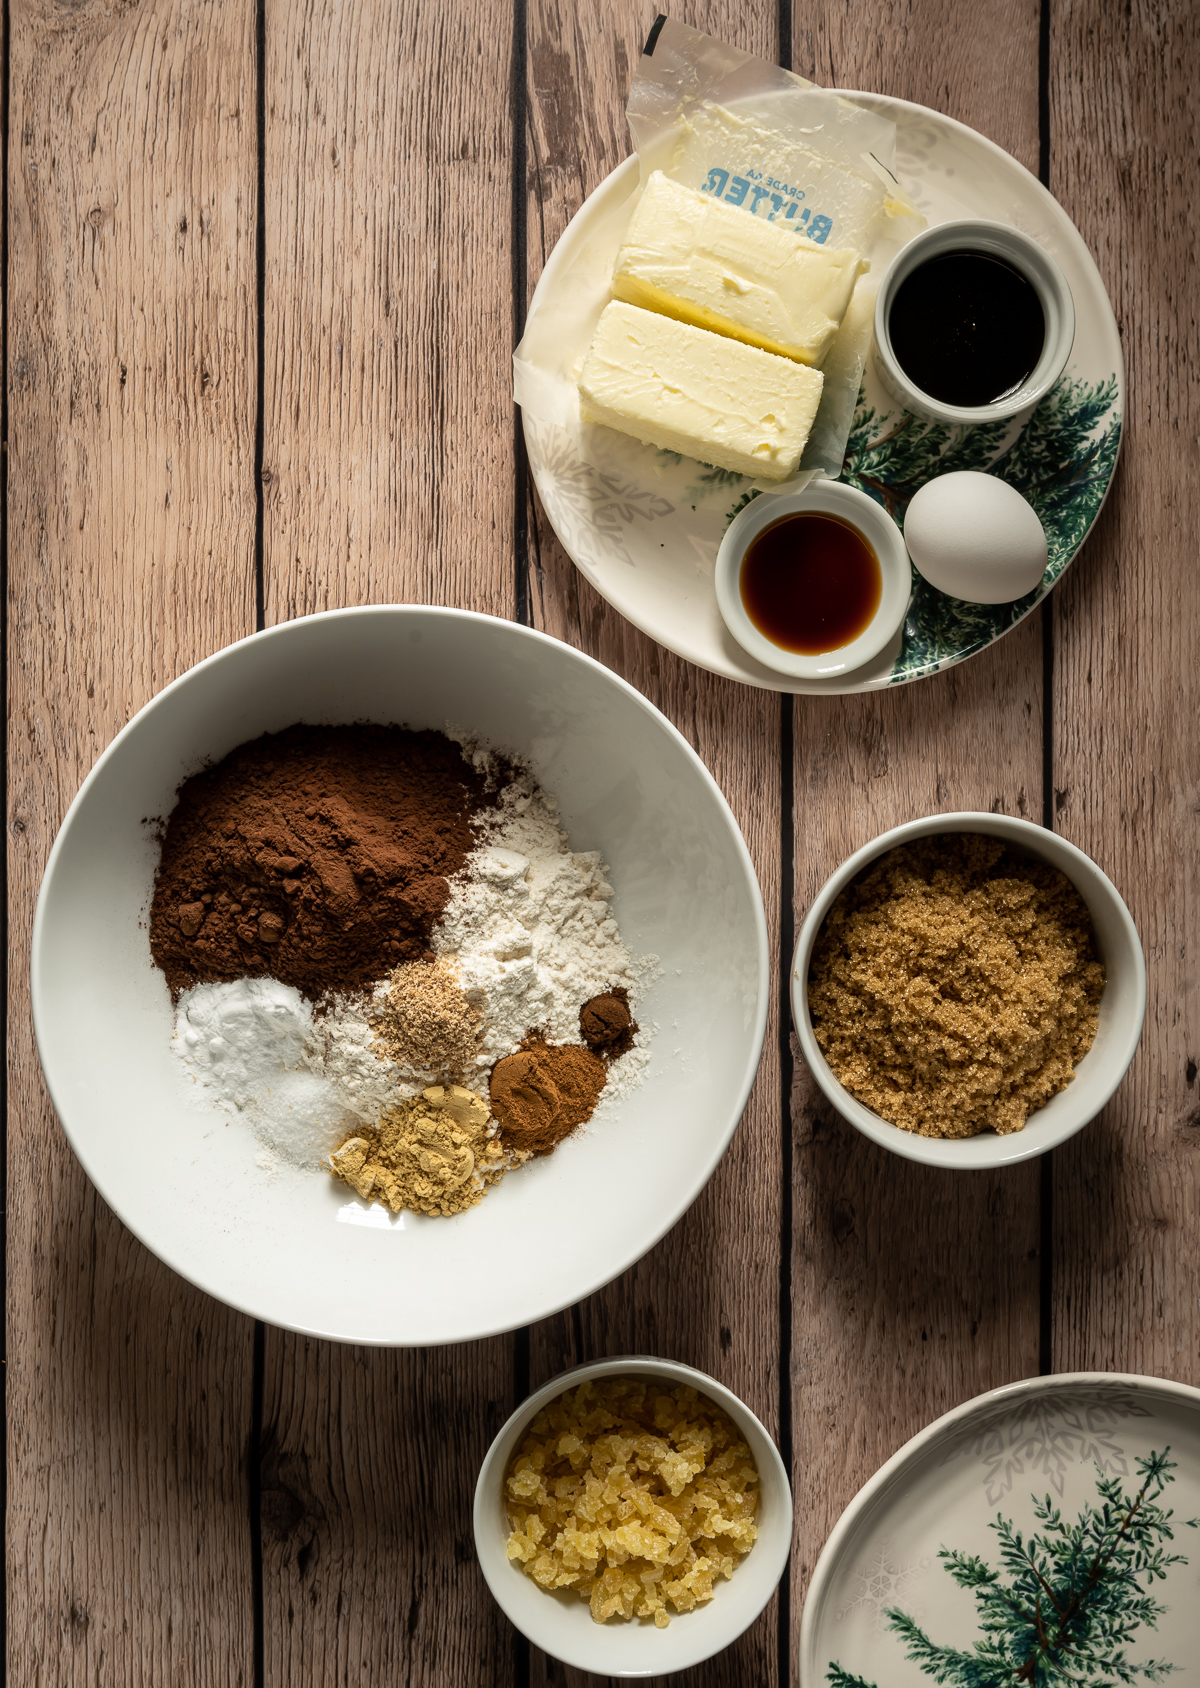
[[955, 986], [425, 1023]]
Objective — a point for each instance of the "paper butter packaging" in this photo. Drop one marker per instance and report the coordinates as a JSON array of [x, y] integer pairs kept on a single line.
[[766, 147]]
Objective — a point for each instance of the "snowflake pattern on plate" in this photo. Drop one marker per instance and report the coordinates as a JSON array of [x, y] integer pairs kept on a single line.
[[1047, 1434], [592, 507], [880, 1582]]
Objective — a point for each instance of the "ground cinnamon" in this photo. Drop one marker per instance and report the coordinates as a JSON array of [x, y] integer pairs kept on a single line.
[[318, 856], [544, 1092]]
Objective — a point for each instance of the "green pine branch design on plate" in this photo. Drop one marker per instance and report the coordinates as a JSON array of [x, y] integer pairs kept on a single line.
[[1066, 1601], [1062, 461]]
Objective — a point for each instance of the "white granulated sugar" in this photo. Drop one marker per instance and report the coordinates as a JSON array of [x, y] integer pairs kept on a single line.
[[530, 924]]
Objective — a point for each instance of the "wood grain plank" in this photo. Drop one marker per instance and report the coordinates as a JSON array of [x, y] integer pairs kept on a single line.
[[369, 1464], [1124, 135], [387, 453], [978, 63], [912, 1290], [709, 1293], [388, 476], [131, 555]]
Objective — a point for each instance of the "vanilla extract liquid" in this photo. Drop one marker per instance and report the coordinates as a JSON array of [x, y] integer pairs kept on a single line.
[[967, 328], [811, 583]]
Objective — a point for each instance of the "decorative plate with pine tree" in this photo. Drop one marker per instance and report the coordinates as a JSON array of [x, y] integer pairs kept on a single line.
[[1044, 1534], [644, 528]]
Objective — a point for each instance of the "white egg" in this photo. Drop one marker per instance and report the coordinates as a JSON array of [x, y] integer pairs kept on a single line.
[[975, 537]]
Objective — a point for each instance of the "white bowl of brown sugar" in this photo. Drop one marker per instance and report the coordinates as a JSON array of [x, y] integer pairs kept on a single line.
[[968, 990]]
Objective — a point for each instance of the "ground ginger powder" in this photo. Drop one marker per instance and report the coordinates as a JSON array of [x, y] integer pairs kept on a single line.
[[634, 1494], [431, 1154], [955, 986]]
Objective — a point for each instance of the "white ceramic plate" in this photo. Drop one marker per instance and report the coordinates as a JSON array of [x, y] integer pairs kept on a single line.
[[290, 1247], [646, 534], [999, 1456]]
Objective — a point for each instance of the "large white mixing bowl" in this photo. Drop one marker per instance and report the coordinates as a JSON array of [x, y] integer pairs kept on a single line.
[[293, 1248]]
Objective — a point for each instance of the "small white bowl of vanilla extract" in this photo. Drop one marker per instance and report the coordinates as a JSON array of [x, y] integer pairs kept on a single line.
[[813, 584]]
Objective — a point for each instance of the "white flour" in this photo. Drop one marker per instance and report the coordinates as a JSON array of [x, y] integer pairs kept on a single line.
[[530, 925], [528, 922]]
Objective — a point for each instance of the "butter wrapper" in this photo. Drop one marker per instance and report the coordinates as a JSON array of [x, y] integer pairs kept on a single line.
[[724, 123]]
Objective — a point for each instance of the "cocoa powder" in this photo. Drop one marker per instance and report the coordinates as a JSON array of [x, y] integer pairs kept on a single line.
[[318, 856]]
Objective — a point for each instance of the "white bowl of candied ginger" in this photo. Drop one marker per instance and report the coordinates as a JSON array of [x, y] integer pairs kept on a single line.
[[633, 1517]]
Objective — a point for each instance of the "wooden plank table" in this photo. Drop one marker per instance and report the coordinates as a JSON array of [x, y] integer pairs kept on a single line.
[[265, 267]]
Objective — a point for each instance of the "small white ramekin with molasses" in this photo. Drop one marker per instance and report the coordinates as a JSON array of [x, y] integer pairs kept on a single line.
[[974, 322]]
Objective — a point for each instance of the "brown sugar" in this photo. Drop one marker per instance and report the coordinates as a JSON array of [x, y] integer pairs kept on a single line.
[[634, 1494], [955, 986], [544, 1092], [318, 856]]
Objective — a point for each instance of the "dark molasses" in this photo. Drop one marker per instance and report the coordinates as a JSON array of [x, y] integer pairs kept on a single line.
[[967, 328]]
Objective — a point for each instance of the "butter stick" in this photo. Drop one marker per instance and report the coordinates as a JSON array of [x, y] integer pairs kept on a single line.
[[693, 257], [683, 389]]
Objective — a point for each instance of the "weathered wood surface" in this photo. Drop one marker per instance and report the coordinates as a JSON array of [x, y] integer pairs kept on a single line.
[[1126, 698], [388, 477], [709, 1293], [388, 318], [912, 1290], [131, 323], [391, 242]]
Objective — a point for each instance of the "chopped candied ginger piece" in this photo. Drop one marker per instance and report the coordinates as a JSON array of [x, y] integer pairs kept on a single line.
[[525, 1484], [636, 1495]]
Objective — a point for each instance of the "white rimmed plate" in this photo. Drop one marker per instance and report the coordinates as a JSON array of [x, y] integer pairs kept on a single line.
[[646, 535], [1000, 1456]]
